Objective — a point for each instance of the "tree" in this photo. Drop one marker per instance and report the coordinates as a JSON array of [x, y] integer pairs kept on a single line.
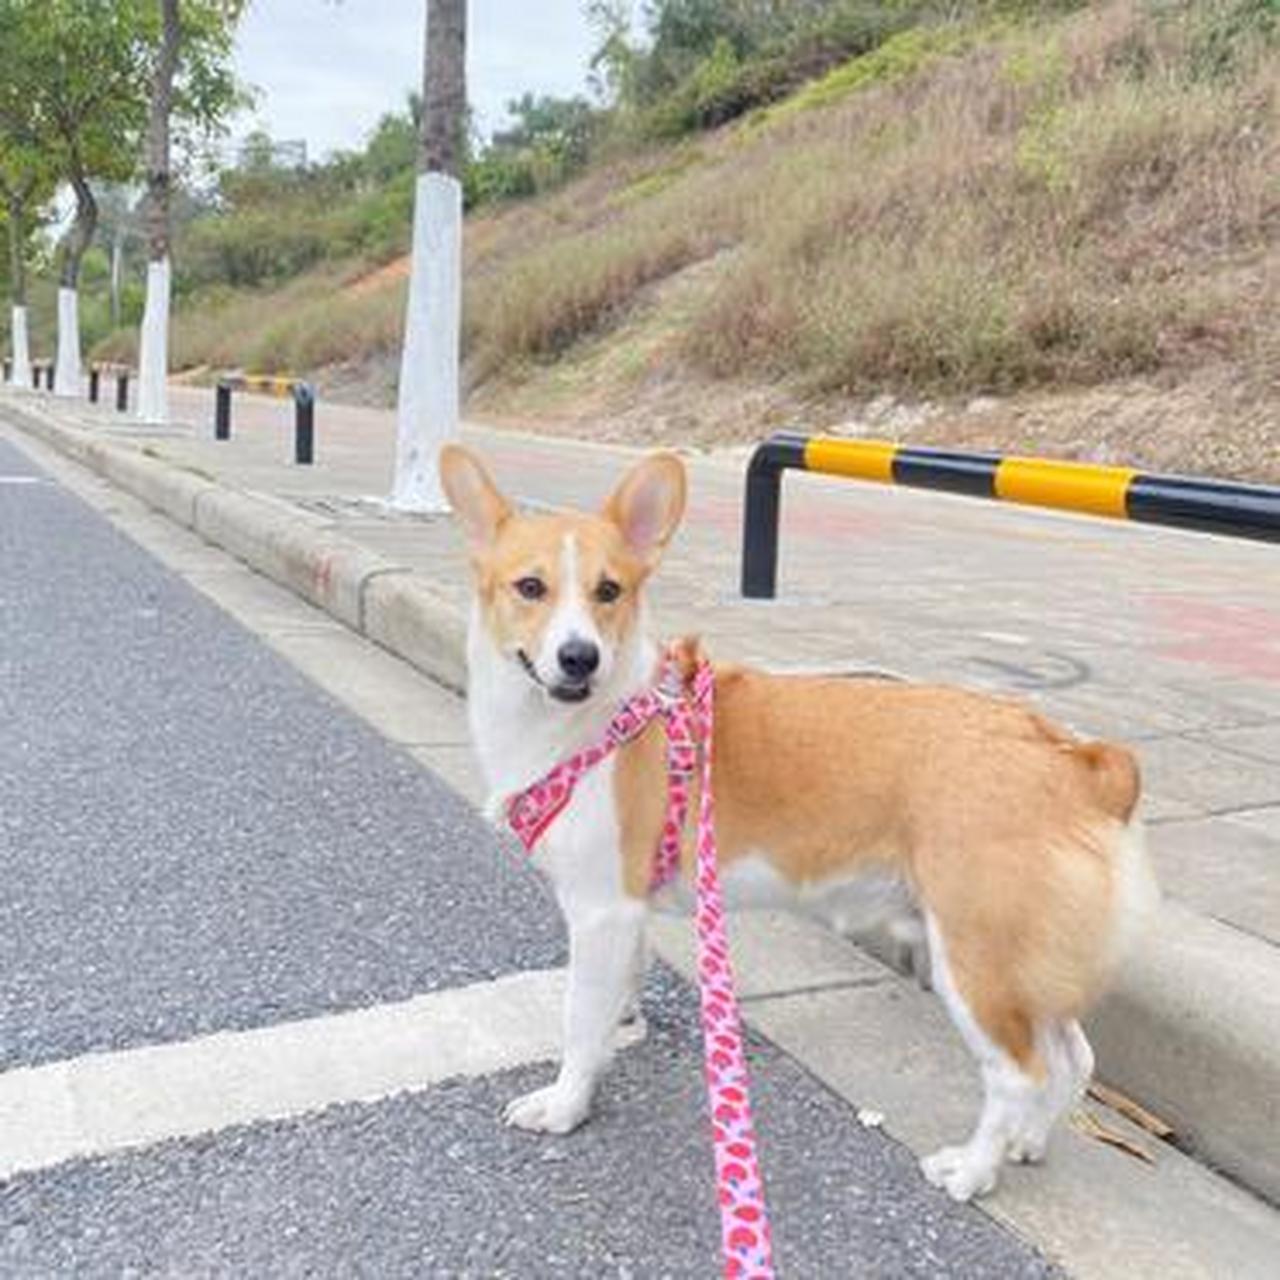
[[427, 412], [80, 65], [26, 184], [190, 74], [153, 358]]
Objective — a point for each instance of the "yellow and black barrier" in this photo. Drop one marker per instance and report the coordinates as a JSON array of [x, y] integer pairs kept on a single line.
[[1214, 506], [304, 401]]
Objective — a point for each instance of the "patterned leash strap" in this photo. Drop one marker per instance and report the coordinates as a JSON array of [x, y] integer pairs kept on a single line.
[[746, 1237], [688, 716]]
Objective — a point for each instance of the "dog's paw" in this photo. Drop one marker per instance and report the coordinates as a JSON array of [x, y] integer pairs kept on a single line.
[[549, 1110], [955, 1170], [1026, 1148]]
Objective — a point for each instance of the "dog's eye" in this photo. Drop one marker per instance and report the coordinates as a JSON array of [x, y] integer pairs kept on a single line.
[[530, 588], [608, 591]]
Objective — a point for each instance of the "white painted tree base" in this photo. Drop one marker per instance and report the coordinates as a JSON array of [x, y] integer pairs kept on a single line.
[[153, 357], [427, 411], [20, 373], [66, 371]]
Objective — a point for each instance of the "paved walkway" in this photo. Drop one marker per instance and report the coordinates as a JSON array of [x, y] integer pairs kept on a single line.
[[1167, 639]]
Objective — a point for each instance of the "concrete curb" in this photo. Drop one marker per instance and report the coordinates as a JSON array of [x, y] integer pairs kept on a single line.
[[1192, 1028]]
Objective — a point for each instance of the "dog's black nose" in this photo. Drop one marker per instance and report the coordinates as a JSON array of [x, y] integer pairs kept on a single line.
[[578, 658]]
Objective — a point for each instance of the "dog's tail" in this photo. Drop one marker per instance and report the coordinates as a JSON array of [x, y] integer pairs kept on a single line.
[[1112, 770], [1116, 777]]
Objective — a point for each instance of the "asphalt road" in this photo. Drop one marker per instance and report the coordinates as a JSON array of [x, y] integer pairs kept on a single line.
[[194, 838]]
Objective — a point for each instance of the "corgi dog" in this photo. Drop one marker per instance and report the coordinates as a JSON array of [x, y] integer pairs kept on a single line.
[[1014, 843]]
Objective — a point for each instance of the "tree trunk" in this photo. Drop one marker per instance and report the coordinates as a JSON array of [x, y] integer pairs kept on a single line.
[[67, 368], [80, 237], [16, 208], [427, 410], [19, 343], [153, 361], [117, 264], [444, 88]]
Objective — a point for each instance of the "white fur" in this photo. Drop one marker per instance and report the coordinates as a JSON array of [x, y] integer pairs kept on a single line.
[[1135, 896], [520, 734]]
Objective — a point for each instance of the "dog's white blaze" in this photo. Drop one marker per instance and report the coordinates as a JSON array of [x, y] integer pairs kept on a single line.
[[571, 620]]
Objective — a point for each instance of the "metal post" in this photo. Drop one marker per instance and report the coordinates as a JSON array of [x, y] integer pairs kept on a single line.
[[760, 527], [122, 390], [304, 400], [49, 373], [222, 413], [8, 369], [93, 384]]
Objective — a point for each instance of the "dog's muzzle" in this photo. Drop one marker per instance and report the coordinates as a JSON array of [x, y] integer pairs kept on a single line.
[[577, 690]]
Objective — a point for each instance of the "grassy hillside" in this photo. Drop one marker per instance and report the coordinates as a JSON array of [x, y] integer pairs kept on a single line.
[[1060, 232]]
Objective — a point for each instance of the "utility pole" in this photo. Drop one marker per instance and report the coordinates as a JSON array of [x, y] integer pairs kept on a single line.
[[427, 411]]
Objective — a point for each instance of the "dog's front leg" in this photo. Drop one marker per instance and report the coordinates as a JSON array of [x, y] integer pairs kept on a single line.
[[605, 946]]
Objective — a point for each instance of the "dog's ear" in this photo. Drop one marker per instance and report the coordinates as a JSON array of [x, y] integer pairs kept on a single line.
[[648, 504], [475, 499]]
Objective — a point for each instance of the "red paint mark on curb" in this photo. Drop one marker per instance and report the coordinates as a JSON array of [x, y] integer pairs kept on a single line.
[[1241, 640], [324, 575]]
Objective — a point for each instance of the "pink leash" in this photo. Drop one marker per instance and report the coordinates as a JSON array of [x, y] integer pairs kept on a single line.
[[744, 1221]]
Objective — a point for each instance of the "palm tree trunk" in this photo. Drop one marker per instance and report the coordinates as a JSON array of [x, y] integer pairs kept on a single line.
[[427, 411], [444, 88], [153, 361]]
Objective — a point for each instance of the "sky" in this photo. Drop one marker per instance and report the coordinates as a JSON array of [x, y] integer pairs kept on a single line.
[[328, 69]]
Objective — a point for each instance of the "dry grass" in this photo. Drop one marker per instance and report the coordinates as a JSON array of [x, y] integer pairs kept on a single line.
[[993, 209], [1052, 206]]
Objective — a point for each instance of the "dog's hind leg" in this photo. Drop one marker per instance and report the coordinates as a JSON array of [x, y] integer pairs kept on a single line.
[[1069, 1061], [605, 943], [1013, 1091]]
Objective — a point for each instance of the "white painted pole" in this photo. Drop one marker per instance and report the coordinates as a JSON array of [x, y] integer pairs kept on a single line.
[[153, 358], [66, 375], [20, 375], [427, 413]]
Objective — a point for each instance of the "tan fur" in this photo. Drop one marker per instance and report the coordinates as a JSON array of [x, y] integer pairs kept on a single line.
[[998, 820]]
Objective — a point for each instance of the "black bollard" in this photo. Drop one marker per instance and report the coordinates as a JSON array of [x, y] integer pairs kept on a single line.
[[304, 435], [222, 412]]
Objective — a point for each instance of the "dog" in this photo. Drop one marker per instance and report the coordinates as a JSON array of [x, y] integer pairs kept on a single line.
[[1015, 844]]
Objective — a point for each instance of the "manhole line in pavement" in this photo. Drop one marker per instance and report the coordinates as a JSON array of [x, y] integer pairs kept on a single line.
[[100, 1103]]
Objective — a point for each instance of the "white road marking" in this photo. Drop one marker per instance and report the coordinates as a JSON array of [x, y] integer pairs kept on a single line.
[[21, 479], [106, 1102]]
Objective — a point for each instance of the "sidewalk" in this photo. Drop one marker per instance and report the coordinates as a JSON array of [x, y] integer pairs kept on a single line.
[[1168, 640]]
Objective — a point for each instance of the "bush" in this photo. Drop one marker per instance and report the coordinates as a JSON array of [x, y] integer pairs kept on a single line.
[[251, 248]]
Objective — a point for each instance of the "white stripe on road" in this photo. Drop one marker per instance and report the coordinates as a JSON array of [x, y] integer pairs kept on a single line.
[[21, 479], [104, 1102]]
